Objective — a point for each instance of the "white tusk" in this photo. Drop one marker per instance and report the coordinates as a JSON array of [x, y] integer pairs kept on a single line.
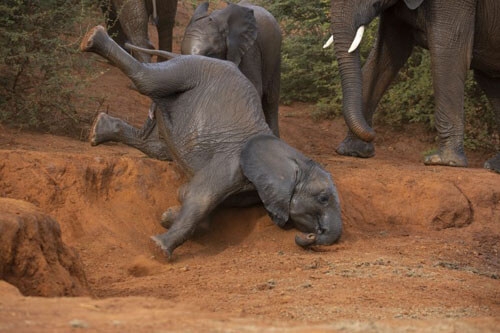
[[357, 39], [328, 42]]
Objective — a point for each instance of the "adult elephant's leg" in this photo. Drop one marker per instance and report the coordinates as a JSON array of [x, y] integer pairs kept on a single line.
[[390, 52], [107, 128], [450, 40], [166, 21], [206, 190], [491, 87], [270, 103], [114, 28], [133, 17]]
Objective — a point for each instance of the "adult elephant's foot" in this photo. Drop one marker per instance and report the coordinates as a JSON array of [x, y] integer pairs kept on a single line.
[[103, 129], [447, 157], [353, 146], [168, 217], [493, 163]]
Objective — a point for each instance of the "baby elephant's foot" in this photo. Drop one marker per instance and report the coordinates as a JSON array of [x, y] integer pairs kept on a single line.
[[493, 163], [103, 129], [93, 37], [168, 217], [164, 243], [352, 146], [447, 157]]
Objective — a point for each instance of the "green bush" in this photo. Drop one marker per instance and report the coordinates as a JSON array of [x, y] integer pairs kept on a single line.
[[39, 72], [310, 74]]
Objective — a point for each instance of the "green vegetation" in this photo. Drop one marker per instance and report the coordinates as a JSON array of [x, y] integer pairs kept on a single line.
[[310, 74], [39, 72]]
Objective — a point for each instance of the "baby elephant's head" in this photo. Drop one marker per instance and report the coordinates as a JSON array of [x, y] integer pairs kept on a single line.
[[295, 190]]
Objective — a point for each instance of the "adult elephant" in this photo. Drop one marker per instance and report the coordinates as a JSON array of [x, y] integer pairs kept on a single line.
[[459, 34], [211, 117], [247, 35], [127, 21]]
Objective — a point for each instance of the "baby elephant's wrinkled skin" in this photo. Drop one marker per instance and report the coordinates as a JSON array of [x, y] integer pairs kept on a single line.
[[211, 116]]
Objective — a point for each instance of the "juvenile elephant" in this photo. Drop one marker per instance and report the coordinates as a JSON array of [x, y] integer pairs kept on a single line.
[[211, 117], [459, 34], [127, 21], [245, 34]]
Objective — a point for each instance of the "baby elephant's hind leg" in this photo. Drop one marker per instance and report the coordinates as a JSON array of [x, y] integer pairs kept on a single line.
[[106, 128]]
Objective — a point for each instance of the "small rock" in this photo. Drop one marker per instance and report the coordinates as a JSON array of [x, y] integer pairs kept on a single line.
[[307, 285], [266, 286], [77, 323], [184, 269], [116, 323]]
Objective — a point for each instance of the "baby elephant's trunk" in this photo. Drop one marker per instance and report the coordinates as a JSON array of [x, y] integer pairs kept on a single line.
[[309, 240]]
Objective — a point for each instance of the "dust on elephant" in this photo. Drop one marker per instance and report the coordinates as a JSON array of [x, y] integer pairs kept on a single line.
[[245, 34], [212, 118], [127, 21], [459, 34]]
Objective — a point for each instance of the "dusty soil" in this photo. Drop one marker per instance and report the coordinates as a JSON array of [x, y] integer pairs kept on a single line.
[[419, 251], [32, 254], [420, 247]]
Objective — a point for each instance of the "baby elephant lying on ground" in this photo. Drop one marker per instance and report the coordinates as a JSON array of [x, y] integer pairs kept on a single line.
[[211, 117]]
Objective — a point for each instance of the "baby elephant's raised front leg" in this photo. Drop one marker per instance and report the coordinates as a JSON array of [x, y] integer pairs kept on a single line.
[[208, 188], [168, 217]]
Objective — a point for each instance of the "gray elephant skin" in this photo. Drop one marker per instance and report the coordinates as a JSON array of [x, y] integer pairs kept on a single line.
[[245, 34], [459, 34], [211, 116], [127, 21]]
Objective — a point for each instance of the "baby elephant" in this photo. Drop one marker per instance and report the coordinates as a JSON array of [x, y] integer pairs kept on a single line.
[[211, 118]]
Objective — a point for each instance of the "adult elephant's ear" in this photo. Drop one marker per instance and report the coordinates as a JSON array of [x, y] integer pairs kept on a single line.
[[242, 31], [270, 165], [200, 12], [413, 4]]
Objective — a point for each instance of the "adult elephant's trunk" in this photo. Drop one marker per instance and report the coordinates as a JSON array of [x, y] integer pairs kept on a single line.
[[346, 48]]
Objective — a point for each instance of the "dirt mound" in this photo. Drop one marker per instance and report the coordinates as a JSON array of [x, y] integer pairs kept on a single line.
[[33, 256]]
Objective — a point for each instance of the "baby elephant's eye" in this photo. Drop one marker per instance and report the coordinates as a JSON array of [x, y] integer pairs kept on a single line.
[[323, 198]]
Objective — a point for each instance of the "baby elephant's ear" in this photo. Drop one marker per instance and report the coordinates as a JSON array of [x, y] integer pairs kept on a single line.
[[270, 165]]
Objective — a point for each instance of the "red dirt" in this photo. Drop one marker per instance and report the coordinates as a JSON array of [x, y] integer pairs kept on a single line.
[[419, 251], [33, 256]]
